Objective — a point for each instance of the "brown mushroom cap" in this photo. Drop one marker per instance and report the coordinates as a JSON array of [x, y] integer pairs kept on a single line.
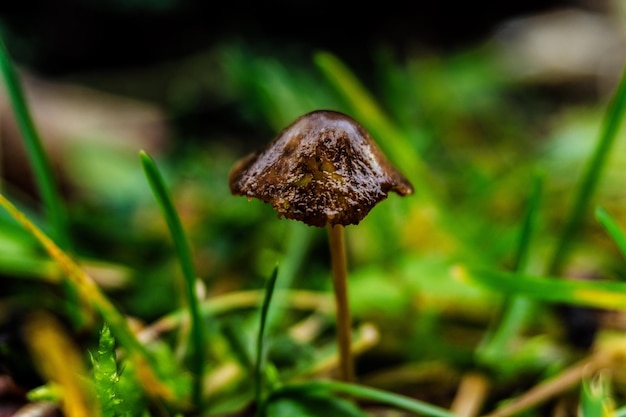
[[322, 169]]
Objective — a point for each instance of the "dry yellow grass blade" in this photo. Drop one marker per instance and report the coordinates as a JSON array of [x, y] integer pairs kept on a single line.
[[91, 295], [59, 361]]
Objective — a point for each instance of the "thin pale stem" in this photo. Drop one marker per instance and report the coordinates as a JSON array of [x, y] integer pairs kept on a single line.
[[340, 284]]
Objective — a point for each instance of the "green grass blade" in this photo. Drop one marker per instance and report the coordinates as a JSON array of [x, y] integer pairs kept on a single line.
[[612, 228], [371, 394], [528, 226], [44, 178], [610, 127], [518, 308], [258, 369], [184, 255], [600, 294], [596, 399]]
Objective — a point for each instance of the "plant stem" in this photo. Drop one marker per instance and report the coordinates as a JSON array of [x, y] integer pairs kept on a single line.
[[340, 284]]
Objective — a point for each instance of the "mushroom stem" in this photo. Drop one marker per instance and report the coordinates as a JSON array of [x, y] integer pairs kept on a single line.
[[340, 284]]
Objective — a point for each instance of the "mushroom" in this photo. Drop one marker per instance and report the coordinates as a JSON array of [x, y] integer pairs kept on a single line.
[[324, 170]]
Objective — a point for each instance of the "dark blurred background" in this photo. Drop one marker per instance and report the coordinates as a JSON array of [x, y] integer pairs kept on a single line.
[[116, 45], [78, 35]]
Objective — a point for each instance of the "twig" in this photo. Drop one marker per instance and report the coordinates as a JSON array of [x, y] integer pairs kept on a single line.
[[567, 379], [470, 395]]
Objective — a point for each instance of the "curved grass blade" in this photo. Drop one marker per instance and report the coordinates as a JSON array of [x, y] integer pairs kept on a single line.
[[613, 119], [366, 393], [84, 285], [44, 178], [600, 294], [184, 255], [260, 348], [612, 228]]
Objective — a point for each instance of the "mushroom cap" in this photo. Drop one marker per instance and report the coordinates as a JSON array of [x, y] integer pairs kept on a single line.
[[322, 169]]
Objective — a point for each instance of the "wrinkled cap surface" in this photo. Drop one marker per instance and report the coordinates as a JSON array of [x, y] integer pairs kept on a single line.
[[322, 169]]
